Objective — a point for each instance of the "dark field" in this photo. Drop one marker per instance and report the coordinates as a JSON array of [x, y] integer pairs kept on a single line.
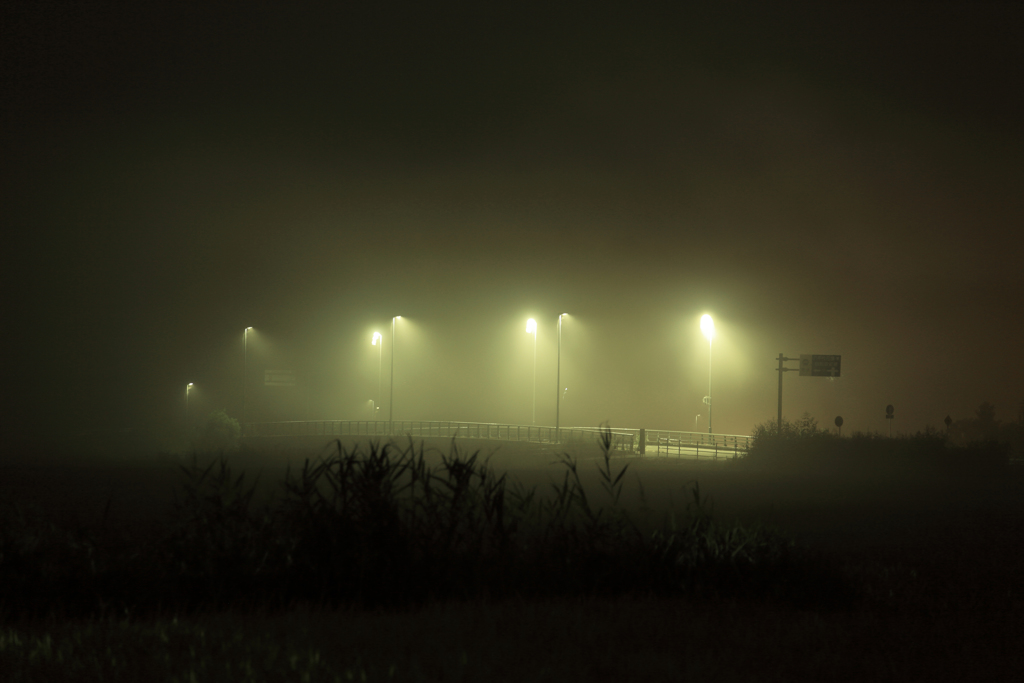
[[933, 562]]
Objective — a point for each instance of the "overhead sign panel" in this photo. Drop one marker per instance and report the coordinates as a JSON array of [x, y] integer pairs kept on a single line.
[[815, 365]]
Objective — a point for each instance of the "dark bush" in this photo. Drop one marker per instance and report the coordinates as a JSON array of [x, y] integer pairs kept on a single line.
[[802, 445], [219, 433]]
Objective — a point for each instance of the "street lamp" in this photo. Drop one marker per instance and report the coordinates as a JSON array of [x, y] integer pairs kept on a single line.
[[245, 371], [391, 400], [187, 388], [531, 328], [707, 326], [558, 376], [378, 341]]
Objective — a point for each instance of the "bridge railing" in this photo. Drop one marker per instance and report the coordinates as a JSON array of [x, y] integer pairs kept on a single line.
[[625, 440], [650, 442], [622, 439], [666, 442], [317, 428]]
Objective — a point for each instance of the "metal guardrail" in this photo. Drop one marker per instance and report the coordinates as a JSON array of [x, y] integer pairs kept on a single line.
[[316, 428], [643, 441], [694, 444], [622, 440]]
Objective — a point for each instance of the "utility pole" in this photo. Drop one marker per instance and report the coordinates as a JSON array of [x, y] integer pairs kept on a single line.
[[187, 387], [558, 382], [534, 377], [531, 328], [709, 385], [245, 371], [391, 398]]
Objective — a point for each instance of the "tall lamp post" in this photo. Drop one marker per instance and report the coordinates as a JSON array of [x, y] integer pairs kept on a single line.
[[245, 371], [187, 388], [391, 399], [531, 328], [558, 377], [378, 341], [707, 326]]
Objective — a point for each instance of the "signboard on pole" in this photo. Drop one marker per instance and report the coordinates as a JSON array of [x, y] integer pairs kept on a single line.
[[816, 365]]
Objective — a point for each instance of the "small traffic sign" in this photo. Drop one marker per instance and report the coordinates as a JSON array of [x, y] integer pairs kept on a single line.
[[888, 411]]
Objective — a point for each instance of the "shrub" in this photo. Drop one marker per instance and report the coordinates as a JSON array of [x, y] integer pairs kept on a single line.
[[219, 433], [805, 446]]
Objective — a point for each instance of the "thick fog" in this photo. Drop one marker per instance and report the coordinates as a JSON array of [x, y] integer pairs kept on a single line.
[[817, 183]]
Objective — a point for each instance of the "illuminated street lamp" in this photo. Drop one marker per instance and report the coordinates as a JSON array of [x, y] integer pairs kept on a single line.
[[391, 400], [707, 326], [187, 388], [245, 371], [378, 341], [531, 328], [558, 375]]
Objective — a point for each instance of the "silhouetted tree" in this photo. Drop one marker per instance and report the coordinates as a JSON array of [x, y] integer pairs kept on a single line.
[[220, 432], [985, 427], [986, 415], [807, 425]]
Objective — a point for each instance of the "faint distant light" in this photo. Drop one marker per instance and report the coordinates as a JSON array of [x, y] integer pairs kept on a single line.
[[190, 383], [531, 326], [248, 328], [707, 326]]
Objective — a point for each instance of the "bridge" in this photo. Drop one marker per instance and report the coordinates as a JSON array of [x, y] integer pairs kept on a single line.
[[644, 442]]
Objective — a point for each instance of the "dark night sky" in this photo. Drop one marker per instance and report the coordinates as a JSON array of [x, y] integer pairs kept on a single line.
[[820, 180]]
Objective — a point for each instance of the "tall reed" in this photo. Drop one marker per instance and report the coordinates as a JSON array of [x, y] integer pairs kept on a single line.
[[383, 524]]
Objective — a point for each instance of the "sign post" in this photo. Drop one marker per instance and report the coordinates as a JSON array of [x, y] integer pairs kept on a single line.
[[888, 416], [782, 369], [839, 424], [811, 365]]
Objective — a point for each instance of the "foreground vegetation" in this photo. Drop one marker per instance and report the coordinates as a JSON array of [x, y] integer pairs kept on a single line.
[[380, 562], [548, 640], [381, 526]]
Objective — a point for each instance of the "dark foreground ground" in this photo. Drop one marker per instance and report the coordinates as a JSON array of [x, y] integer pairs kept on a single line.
[[938, 561]]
